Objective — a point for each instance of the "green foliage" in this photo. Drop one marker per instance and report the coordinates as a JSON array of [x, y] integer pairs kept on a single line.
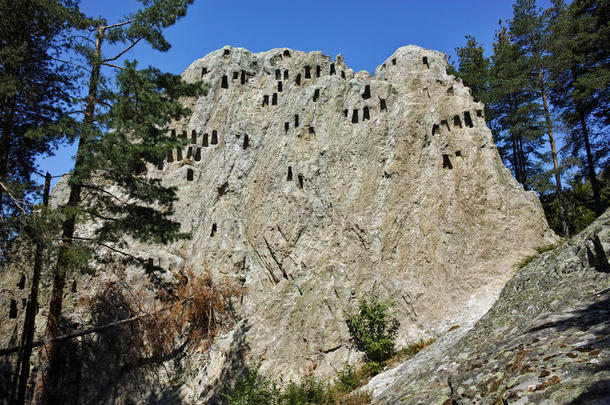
[[539, 250], [473, 68], [254, 389], [579, 202], [309, 391], [35, 92], [548, 75], [347, 378], [373, 329]]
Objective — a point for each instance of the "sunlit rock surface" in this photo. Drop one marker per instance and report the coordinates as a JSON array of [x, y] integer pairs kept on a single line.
[[309, 184]]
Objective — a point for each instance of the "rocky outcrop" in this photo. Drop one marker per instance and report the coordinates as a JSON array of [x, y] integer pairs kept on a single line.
[[546, 340], [308, 183]]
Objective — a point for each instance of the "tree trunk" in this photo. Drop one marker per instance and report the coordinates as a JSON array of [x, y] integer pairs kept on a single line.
[[599, 209], [22, 372], [49, 349], [522, 162], [5, 143], [558, 188]]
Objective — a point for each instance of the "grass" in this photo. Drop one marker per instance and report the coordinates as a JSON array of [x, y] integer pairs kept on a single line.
[[539, 250]]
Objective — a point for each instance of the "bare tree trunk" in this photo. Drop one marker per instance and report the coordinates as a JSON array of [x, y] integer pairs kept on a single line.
[[22, 373], [599, 209], [558, 187], [49, 349]]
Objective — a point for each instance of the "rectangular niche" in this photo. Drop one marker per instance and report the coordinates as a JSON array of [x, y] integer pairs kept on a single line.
[[367, 92], [468, 119], [447, 162]]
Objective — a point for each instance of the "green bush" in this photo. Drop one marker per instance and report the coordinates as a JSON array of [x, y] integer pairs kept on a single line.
[[373, 330], [309, 391], [347, 378], [253, 388]]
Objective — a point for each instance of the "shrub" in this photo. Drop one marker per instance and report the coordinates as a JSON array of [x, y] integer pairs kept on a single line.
[[253, 388], [309, 391], [373, 330]]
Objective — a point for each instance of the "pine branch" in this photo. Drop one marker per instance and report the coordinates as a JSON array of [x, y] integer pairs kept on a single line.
[[123, 51]]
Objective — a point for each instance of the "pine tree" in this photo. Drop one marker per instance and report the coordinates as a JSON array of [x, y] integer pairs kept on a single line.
[[122, 133], [581, 77], [35, 91], [473, 68], [517, 128], [529, 32]]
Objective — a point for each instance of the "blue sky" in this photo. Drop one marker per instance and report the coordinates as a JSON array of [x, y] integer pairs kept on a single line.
[[365, 32]]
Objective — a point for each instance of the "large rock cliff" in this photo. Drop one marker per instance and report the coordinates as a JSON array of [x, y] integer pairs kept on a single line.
[[546, 340], [308, 183]]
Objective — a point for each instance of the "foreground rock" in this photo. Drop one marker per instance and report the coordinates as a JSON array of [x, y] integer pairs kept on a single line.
[[545, 341], [308, 184]]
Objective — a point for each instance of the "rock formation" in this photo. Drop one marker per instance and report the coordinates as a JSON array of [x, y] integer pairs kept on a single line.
[[309, 184], [545, 340]]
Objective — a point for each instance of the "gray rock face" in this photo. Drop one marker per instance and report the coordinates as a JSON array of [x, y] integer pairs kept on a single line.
[[308, 184], [546, 340]]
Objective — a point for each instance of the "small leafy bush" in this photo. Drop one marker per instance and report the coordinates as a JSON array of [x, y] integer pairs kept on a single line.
[[309, 391], [373, 330], [253, 388]]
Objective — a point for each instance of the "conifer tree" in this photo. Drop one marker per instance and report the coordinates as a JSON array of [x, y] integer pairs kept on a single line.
[[529, 32], [35, 92], [121, 134], [581, 77], [518, 131], [473, 68]]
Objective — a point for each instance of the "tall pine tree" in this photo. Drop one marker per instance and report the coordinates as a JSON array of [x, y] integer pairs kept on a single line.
[[529, 33], [581, 75], [36, 90], [517, 127], [121, 134]]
